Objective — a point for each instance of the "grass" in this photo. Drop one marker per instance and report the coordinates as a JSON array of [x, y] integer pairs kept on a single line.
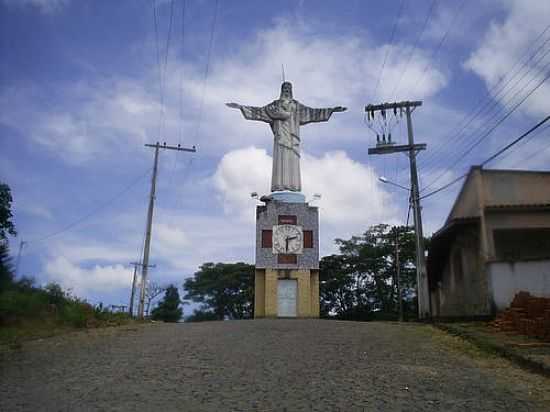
[[28, 312]]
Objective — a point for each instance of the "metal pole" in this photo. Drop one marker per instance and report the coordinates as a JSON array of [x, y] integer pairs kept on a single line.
[[421, 277], [398, 275], [132, 296], [18, 260], [147, 246]]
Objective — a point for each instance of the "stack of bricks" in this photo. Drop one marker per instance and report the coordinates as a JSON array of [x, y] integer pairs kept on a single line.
[[527, 315]]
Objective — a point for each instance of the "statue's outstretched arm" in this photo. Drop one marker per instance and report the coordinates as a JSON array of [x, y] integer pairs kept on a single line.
[[310, 115], [251, 112]]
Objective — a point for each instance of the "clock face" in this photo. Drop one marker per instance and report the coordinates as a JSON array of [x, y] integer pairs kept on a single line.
[[287, 239]]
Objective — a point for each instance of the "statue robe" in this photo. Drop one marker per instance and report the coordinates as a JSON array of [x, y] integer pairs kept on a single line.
[[285, 118]]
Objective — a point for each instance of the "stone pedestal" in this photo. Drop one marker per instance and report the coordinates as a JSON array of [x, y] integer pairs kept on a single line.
[[275, 293]]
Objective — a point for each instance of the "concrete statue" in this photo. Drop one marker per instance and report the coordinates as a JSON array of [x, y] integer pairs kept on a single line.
[[285, 116]]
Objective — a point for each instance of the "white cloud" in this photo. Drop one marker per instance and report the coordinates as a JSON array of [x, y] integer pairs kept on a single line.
[[94, 119], [507, 42], [352, 198], [45, 6], [239, 173], [81, 280]]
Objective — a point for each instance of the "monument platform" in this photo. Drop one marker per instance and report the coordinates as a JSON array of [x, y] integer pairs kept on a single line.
[[285, 196]]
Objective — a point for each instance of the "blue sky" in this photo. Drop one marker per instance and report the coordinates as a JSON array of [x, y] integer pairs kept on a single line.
[[84, 84]]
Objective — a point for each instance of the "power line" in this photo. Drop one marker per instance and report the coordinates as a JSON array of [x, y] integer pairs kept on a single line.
[[482, 137], [207, 68], [526, 141], [489, 159], [532, 155], [396, 21], [420, 33], [437, 49], [183, 9], [492, 104], [514, 142], [159, 66], [491, 96], [93, 212]]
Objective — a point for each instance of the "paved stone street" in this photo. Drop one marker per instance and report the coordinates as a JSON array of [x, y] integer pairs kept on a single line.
[[267, 365]]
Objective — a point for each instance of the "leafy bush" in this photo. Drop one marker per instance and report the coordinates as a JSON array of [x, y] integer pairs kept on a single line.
[[56, 295], [17, 303], [24, 302]]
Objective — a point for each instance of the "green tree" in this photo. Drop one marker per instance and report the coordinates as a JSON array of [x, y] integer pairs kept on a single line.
[[6, 225], [361, 280], [201, 315], [226, 289], [168, 309], [6, 270]]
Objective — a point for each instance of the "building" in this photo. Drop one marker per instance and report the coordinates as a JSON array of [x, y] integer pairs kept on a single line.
[[286, 280], [495, 242]]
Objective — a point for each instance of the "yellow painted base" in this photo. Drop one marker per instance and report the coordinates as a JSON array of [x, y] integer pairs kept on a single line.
[[265, 292]]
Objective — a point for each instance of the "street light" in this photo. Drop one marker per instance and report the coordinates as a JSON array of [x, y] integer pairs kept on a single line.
[[316, 196], [389, 182]]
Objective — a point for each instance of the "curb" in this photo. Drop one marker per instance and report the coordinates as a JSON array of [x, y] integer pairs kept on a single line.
[[510, 354]]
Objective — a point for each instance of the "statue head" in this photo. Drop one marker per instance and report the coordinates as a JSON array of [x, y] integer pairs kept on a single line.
[[286, 90]]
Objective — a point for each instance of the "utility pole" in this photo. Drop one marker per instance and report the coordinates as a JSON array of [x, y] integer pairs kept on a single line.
[[387, 147], [398, 275], [147, 246], [134, 281], [22, 243]]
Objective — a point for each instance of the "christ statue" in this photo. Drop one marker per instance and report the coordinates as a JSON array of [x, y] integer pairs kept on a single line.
[[285, 116]]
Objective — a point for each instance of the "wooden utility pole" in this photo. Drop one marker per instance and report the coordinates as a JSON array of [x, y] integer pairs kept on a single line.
[[134, 281], [18, 260], [398, 275], [412, 149], [147, 245]]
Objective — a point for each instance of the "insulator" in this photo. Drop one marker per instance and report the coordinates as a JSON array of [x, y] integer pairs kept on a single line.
[[389, 137], [383, 113], [384, 137], [377, 138], [394, 111]]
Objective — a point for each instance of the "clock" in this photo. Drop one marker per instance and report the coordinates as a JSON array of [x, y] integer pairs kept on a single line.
[[287, 239]]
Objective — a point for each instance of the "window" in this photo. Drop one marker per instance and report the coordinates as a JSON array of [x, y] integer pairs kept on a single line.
[[287, 220], [522, 244], [308, 239], [286, 259], [267, 238]]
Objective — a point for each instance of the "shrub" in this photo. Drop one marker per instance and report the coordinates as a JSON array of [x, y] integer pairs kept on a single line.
[[77, 313], [14, 303], [56, 295]]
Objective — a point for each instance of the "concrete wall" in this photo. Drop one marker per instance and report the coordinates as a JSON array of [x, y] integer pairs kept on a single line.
[[265, 292], [509, 278], [467, 203], [516, 187], [464, 289], [259, 293], [315, 302]]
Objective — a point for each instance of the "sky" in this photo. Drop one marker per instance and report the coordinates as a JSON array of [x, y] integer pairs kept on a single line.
[[85, 84]]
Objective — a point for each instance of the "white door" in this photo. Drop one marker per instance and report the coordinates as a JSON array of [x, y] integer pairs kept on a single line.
[[286, 297]]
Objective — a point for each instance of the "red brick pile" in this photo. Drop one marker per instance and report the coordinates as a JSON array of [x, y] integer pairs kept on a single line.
[[527, 315]]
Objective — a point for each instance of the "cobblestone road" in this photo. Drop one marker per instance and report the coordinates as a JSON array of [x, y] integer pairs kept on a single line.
[[268, 365]]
